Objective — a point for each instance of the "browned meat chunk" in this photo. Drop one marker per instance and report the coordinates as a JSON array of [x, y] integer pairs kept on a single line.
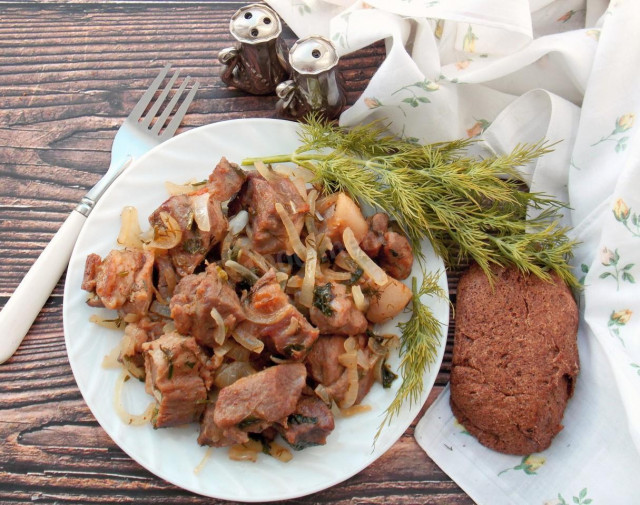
[[396, 256], [135, 335], [265, 227], [391, 250], [225, 180], [325, 368], [212, 435], [195, 296], [270, 395], [334, 312], [195, 243], [322, 360], [291, 335], [309, 425], [122, 281], [177, 374], [167, 276], [373, 240]]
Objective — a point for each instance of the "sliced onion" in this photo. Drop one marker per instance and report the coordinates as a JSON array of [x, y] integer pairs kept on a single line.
[[309, 281], [130, 231], [355, 409], [241, 269], [332, 275], [126, 417], [295, 282], [241, 453], [264, 171], [200, 206], [247, 340], [170, 236], [207, 455], [292, 233], [220, 331], [300, 185], [266, 319], [231, 372], [323, 204], [221, 350], [111, 360], [279, 452], [322, 393], [259, 260], [297, 171], [369, 267], [182, 189], [349, 360], [238, 222], [112, 324], [361, 303]]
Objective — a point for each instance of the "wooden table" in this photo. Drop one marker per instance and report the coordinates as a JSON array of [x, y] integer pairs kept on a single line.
[[69, 75]]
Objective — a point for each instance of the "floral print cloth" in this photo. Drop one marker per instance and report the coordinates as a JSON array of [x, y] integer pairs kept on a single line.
[[507, 72]]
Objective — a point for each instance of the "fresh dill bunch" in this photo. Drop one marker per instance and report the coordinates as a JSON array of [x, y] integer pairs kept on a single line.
[[440, 193], [418, 347]]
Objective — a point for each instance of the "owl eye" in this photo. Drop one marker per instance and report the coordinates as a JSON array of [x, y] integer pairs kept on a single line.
[[254, 32], [315, 53], [267, 21], [248, 15]]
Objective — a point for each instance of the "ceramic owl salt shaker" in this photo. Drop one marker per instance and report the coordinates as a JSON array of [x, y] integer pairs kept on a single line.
[[316, 84], [258, 62]]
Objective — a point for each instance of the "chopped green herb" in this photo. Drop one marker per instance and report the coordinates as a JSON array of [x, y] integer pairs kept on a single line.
[[193, 245], [387, 376], [355, 276], [169, 355], [251, 420], [300, 419], [190, 364], [322, 297]]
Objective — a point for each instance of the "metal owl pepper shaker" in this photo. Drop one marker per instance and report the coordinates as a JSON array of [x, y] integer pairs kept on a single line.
[[316, 84], [258, 62]]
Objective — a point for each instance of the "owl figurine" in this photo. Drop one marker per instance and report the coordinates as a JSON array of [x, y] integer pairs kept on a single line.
[[259, 60]]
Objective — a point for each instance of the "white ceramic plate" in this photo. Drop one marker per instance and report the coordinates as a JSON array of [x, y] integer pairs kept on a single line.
[[173, 453]]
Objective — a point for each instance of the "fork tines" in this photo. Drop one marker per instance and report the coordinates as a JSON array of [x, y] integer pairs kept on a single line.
[[148, 121]]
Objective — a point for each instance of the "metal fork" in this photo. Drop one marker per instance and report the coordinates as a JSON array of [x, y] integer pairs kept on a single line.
[[135, 136]]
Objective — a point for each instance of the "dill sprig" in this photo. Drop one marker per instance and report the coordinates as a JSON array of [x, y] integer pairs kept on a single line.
[[418, 347], [440, 193]]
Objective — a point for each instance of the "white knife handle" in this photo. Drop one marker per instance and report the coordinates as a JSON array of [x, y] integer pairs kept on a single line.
[[24, 305]]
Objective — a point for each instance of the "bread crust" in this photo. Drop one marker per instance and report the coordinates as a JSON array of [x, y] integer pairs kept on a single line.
[[515, 358]]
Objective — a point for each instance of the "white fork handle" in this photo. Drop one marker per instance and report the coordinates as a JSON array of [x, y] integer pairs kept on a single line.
[[24, 305]]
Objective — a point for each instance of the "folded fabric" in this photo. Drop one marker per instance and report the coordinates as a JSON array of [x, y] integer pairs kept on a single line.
[[507, 72]]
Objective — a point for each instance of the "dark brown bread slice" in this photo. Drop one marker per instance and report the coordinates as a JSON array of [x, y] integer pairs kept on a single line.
[[515, 359]]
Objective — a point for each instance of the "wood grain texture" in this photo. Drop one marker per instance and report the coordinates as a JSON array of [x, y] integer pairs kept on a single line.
[[69, 74]]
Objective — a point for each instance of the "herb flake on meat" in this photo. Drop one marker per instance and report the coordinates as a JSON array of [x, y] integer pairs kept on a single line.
[[322, 298], [300, 419]]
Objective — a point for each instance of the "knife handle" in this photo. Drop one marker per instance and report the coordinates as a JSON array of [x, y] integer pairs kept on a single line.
[[24, 305]]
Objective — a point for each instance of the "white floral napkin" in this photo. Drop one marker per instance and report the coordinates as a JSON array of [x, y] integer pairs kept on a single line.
[[511, 71]]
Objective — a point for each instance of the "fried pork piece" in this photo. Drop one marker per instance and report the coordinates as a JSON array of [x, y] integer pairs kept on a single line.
[[391, 250], [135, 335], [195, 243], [122, 281], [268, 396], [324, 367], [225, 180], [334, 312], [210, 433], [195, 296], [177, 374], [265, 227], [167, 275], [309, 425], [291, 335]]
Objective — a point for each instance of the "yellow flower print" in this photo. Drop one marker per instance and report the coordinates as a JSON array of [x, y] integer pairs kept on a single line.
[[439, 29], [372, 102], [622, 317], [617, 320], [623, 123], [607, 257], [469, 41], [620, 210], [594, 34], [530, 464], [479, 126]]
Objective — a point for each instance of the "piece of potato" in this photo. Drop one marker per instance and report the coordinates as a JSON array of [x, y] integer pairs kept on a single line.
[[389, 301], [346, 214]]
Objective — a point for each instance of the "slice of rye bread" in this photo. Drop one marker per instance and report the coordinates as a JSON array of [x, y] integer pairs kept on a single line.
[[515, 358]]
